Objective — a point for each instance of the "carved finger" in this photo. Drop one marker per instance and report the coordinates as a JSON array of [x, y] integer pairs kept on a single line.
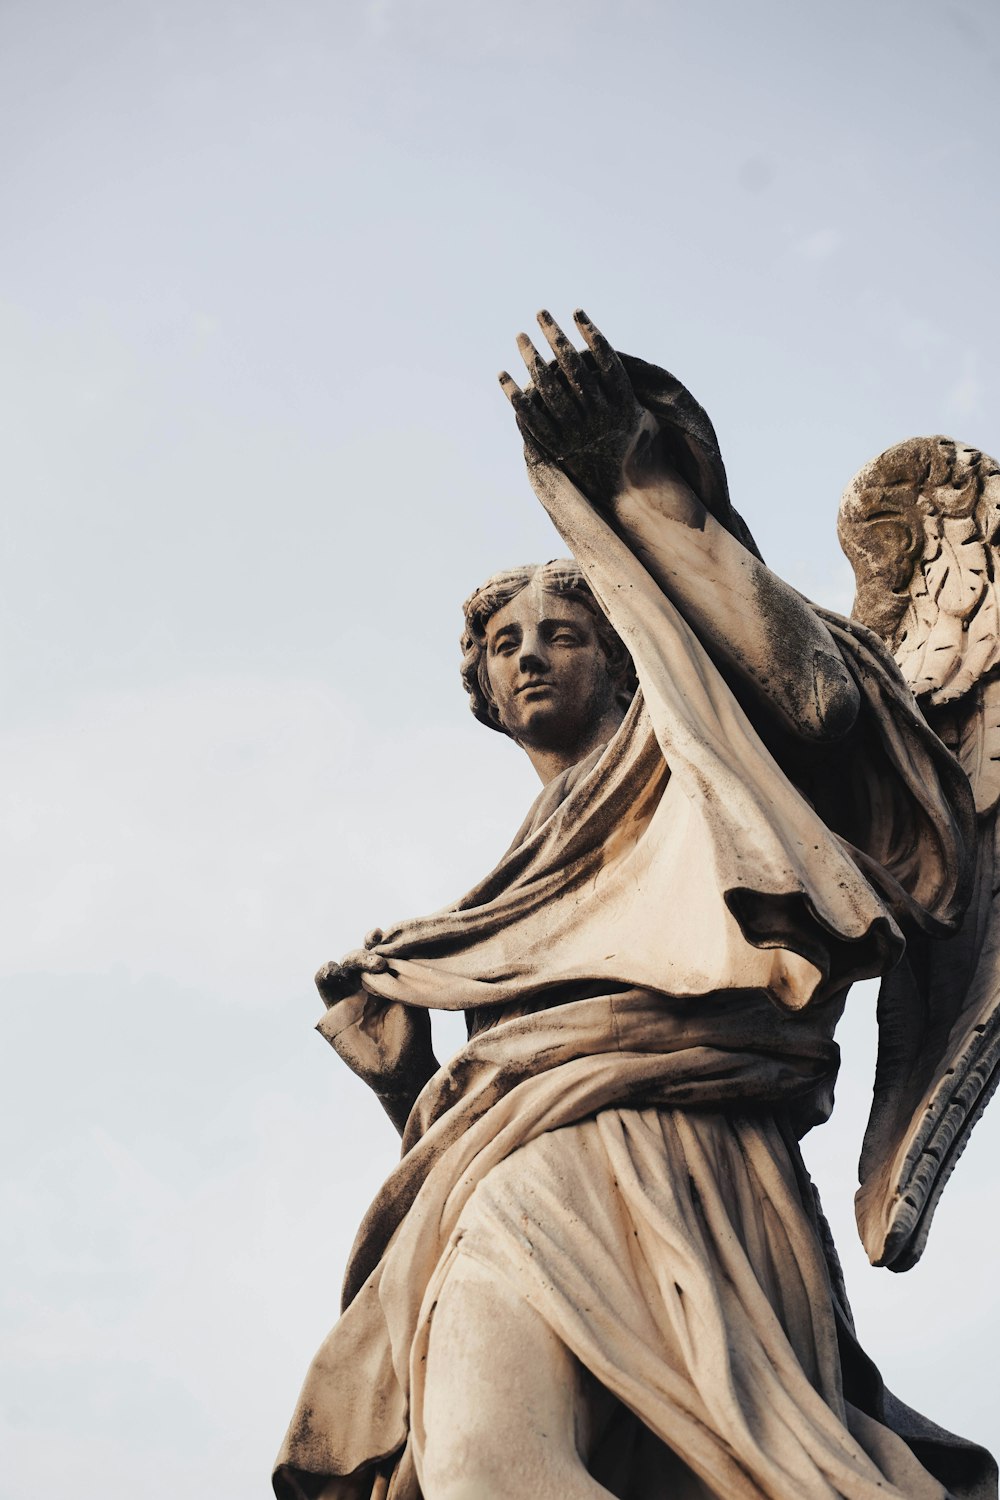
[[532, 418], [550, 384], [579, 379], [509, 386], [616, 383], [365, 961]]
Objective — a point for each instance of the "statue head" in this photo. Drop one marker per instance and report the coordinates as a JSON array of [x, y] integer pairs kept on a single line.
[[541, 663], [891, 516]]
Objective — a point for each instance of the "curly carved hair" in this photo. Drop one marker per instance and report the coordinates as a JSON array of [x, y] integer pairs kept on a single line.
[[559, 577]]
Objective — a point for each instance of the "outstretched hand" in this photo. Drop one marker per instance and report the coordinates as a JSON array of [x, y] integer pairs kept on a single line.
[[579, 409], [386, 1043]]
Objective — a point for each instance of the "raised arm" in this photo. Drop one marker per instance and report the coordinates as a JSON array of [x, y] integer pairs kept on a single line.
[[582, 413]]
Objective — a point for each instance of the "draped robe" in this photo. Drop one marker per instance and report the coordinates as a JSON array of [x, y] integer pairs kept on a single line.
[[663, 955]]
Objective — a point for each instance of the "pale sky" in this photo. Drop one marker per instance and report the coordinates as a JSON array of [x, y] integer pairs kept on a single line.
[[261, 261]]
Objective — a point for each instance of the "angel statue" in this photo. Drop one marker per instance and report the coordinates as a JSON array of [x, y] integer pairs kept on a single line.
[[600, 1267]]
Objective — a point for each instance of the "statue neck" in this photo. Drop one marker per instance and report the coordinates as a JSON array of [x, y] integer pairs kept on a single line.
[[550, 762]]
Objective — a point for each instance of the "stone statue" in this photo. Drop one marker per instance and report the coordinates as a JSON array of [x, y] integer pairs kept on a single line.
[[600, 1267]]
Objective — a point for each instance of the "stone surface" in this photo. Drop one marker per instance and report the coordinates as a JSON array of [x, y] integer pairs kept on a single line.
[[600, 1267], [919, 524]]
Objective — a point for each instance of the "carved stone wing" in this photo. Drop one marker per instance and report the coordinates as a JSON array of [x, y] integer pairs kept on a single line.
[[920, 526]]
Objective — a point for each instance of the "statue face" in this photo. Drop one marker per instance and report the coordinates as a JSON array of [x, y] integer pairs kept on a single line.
[[547, 671]]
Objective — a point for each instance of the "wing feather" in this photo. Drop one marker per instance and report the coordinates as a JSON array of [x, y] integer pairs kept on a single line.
[[950, 632], [981, 649], [932, 667], [932, 1097], [916, 630], [978, 746], [956, 573]]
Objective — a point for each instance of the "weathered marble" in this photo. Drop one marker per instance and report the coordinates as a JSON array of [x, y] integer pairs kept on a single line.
[[919, 524], [600, 1267]]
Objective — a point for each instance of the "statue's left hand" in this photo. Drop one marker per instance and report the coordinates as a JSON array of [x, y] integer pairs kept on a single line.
[[386, 1043], [336, 981], [581, 412]]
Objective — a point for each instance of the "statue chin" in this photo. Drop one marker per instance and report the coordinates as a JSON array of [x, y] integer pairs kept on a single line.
[[551, 728]]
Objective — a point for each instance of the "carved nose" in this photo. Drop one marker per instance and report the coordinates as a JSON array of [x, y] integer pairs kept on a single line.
[[531, 661]]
